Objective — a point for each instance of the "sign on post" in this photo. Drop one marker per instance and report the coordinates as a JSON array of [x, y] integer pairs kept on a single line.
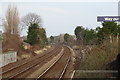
[[108, 18]]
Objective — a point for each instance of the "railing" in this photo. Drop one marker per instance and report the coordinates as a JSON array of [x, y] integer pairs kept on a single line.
[[96, 74], [6, 58]]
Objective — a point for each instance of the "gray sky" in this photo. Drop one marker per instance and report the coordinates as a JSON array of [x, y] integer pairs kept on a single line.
[[63, 17]]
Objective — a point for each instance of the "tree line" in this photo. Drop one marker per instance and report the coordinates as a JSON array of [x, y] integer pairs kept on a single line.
[[108, 31]]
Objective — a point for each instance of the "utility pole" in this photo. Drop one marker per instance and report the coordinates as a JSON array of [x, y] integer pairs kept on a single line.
[[118, 57]]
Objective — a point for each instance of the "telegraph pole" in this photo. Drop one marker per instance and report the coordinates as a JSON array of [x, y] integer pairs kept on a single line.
[[119, 24]]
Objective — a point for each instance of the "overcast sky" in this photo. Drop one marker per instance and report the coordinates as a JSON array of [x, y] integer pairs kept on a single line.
[[63, 17]]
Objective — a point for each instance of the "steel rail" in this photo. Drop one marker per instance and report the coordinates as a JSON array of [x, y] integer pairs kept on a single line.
[[38, 63], [63, 72], [55, 62], [50, 66], [27, 62]]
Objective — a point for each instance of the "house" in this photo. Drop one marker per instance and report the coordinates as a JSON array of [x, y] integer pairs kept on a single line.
[[24, 38], [26, 46]]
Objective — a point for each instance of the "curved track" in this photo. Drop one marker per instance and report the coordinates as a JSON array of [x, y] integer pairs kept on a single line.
[[17, 70], [58, 68]]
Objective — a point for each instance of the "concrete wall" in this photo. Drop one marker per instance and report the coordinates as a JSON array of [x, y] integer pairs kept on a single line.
[[7, 58]]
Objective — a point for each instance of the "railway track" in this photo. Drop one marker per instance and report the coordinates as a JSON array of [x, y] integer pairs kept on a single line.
[[21, 62], [58, 68], [18, 70]]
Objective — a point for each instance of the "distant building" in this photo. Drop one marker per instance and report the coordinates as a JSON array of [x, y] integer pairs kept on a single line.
[[56, 39], [48, 39], [74, 37], [61, 38], [26, 46], [24, 38]]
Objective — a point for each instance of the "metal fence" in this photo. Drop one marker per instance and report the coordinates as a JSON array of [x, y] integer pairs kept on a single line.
[[103, 74], [6, 58]]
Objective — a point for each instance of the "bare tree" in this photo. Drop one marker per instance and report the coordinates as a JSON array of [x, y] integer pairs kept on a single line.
[[11, 22], [30, 18]]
